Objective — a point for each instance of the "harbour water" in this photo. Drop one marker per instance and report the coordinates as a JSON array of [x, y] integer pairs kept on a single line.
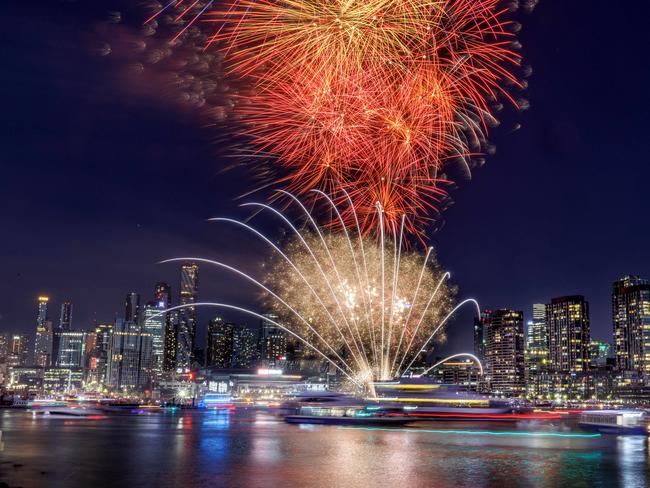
[[256, 449]]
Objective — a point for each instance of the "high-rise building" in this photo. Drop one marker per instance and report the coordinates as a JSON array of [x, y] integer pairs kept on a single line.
[[71, 349], [504, 350], [132, 307], [569, 334], [480, 330], [219, 344], [101, 354], [537, 340], [631, 320], [4, 348], [89, 347], [65, 320], [129, 366], [189, 293], [43, 342], [17, 350], [244, 347], [273, 340], [171, 341], [153, 322]]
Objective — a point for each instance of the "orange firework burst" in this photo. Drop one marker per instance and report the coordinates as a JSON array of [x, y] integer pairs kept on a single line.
[[372, 96]]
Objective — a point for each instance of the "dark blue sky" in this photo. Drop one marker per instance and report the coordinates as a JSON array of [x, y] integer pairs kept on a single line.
[[98, 182]]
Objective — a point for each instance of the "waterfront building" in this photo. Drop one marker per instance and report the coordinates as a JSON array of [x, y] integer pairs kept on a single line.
[[186, 333], [244, 347], [44, 332], [62, 380], [101, 354], [273, 341], [569, 334], [18, 350], [631, 321], [132, 307], [219, 344], [26, 381], [71, 349], [536, 352], [504, 349], [153, 322], [129, 366]]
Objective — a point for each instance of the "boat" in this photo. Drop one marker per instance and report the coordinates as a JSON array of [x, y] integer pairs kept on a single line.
[[217, 401], [436, 401], [352, 415], [63, 410], [627, 422]]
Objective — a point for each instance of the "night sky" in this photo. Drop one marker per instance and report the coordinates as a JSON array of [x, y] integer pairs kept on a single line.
[[100, 181]]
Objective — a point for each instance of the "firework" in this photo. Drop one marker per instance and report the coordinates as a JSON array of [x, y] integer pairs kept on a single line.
[[374, 96], [362, 303]]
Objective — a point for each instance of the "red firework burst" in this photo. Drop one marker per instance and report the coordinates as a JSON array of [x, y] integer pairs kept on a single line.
[[371, 96]]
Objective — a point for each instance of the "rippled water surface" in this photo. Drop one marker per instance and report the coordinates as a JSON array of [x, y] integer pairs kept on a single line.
[[255, 449]]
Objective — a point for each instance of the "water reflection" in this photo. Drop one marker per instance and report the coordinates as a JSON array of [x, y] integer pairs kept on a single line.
[[248, 448]]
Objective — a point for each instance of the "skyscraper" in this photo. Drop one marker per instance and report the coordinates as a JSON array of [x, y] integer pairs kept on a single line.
[[65, 319], [273, 340], [504, 350], [101, 354], [537, 340], [129, 366], [569, 334], [43, 342], [71, 349], [189, 292], [171, 341], [244, 347], [153, 322], [132, 307], [219, 344], [17, 350], [631, 320]]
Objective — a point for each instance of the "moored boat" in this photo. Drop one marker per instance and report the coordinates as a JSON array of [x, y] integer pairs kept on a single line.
[[629, 422]]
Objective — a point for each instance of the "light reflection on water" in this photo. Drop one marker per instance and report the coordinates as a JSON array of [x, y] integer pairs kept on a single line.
[[248, 449]]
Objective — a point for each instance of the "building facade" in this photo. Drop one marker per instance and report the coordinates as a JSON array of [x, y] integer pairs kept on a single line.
[[504, 349], [186, 330], [71, 352], [43, 341], [129, 366], [569, 334], [631, 321]]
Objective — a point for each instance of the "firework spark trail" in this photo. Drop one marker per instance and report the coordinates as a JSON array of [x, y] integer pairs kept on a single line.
[[335, 313], [374, 96], [290, 262], [260, 285], [262, 317]]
